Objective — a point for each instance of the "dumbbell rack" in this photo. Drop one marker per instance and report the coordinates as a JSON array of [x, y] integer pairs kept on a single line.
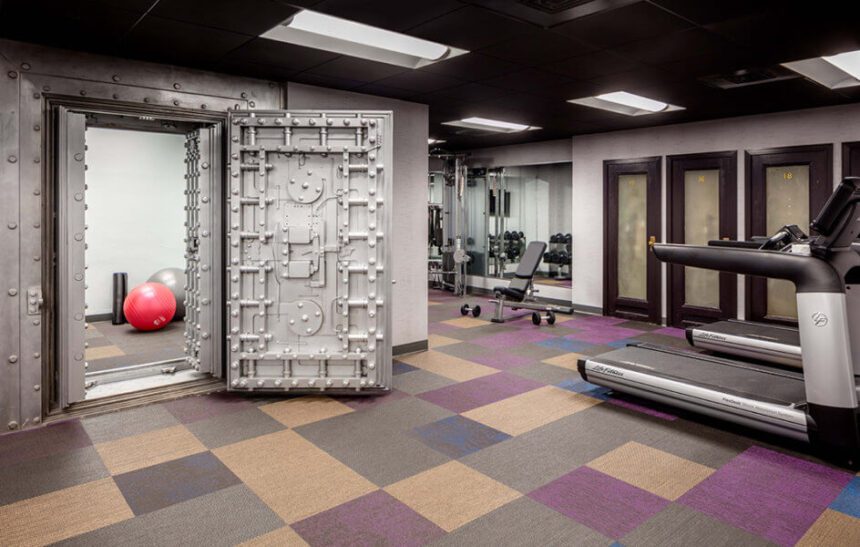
[[560, 270]]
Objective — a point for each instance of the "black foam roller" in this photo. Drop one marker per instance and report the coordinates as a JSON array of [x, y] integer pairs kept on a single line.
[[120, 289]]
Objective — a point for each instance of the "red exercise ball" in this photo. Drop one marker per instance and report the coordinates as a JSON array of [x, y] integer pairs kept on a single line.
[[149, 306]]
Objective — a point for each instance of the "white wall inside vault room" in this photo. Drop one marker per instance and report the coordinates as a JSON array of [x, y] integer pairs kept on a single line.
[[135, 216]]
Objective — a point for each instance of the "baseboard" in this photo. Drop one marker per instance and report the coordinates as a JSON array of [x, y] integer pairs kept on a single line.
[[412, 347], [99, 317], [582, 308]]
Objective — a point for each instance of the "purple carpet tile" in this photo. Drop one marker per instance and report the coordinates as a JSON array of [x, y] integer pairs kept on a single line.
[[671, 331], [374, 519], [479, 392], [642, 408], [848, 501], [371, 401], [504, 340], [610, 506], [603, 334], [159, 486], [457, 436], [586, 321], [501, 360], [196, 408], [42, 441], [768, 493]]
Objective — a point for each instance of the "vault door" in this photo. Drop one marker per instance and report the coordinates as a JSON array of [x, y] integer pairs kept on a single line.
[[71, 244], [309, 288], [203, 250]]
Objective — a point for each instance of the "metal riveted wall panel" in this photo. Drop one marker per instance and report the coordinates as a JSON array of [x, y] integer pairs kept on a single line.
[[32, 76], [10, 290], [309, 268]]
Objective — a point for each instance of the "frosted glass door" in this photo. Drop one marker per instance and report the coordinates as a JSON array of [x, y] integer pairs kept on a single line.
[[632, 236], [787, 202], [701, 224]]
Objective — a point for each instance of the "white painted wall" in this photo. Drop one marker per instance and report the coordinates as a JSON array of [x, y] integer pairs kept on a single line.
[[813, 126], [409, 240], [135, 216]]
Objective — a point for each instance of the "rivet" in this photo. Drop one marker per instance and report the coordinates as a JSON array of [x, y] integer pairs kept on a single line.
[[12, 225], [46, 88], [37, 387], [12, 74], [83, 92], [203, 106], [37, 127], [115, 77], [37, 355], [36, 160], [146, 99], [244, 95], [37, 95], [13, 425], [25, 66], [175, 102], [79, 157], [13, 292], [13, 358], [13, 159], [177, 86], [37, 420]]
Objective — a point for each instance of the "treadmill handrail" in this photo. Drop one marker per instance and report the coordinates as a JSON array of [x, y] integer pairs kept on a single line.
[[808, 273]]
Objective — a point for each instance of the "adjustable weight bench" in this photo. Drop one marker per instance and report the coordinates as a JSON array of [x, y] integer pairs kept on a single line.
[[519, 293]]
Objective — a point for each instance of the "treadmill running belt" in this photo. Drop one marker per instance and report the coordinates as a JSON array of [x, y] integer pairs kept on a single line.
[[731, 377]]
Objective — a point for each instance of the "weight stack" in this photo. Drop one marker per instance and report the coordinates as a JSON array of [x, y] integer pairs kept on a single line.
[[120, 290]]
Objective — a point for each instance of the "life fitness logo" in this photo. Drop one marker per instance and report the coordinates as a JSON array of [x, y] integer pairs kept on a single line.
[[819, 319]]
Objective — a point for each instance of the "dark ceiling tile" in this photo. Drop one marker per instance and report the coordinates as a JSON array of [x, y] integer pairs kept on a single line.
[[722, 62], [385, 91], [396, 15], [625, 24], [592, 65], [177, 42], [827, 31], [88, 25], [272, 52], [360, 70], [704, 13], [325, 81], [470, 28], [420, 82], [674, 47], [251, 17], [537, 48], [472, 67], [531, 80], [462, 93]]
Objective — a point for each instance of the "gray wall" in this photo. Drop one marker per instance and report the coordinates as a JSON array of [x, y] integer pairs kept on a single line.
[[409, 240]]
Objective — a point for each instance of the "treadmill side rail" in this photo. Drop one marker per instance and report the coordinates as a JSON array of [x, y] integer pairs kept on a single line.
[[745, 346], [765, 416]]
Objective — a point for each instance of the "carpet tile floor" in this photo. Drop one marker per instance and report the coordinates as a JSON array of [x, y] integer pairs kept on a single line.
[[489, 438]]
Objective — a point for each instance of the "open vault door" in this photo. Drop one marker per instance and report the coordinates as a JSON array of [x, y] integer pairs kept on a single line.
[[308, 251], [203, 254], [71, 246]]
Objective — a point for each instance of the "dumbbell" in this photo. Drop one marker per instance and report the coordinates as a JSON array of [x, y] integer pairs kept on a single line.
[[553, 239], [507, 235], [563, 257], [549, 316], [568, 239], [522, 235], [466, 309]]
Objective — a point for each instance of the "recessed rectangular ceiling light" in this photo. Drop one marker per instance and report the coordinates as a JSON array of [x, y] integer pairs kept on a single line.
[[834, 71], [319, 31], [435, 141], [622, 102], [487, 124]]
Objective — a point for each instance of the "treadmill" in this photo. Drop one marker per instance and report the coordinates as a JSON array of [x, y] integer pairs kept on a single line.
[[778, 344], [819, 404]]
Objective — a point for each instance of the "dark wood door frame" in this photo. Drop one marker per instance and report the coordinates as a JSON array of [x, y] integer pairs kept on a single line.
[[851, 159], [819, 157], [650, 309], [679, 313]]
